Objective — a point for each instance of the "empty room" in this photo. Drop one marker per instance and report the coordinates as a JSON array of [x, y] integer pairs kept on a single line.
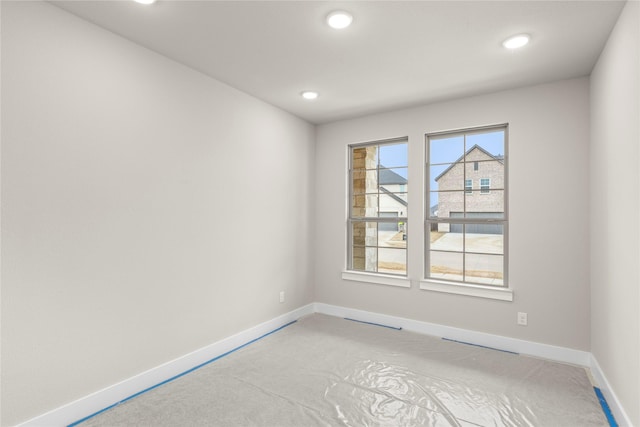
[[438, 203]]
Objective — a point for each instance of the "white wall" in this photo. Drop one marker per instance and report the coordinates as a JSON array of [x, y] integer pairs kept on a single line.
[[615, 210], [119, 251], [549, 227]]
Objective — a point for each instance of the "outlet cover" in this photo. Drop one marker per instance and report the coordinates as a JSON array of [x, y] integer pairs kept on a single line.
[[522, 318]]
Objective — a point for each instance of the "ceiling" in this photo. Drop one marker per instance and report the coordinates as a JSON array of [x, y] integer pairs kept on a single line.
[[395, 54]]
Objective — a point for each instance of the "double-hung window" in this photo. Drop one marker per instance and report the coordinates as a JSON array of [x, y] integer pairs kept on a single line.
[[485, 185], [466, 227], [468, 186], [377, 223]]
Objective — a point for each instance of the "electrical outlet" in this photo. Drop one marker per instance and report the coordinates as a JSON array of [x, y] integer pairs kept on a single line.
[[281, 296], [522, 318]]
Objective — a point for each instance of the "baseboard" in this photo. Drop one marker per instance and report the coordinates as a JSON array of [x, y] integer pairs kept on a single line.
[[617, 410], [111, 395], [546, 351]]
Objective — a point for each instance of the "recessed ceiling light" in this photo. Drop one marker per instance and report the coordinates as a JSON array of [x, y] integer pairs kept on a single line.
[[309, 94], [145, 1], [516, 42], [339, 19]]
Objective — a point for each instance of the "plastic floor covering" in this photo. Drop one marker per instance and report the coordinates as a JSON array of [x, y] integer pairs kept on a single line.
[[327, 371]]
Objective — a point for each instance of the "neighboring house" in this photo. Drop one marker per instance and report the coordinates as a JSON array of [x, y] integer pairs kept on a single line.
[[393, 198], [482, 175], [433, 212]]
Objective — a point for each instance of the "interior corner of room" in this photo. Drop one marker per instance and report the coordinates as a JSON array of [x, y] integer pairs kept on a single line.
[[138, 192]]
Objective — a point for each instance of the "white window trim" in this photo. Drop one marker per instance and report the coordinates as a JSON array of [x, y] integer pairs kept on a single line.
[[380, 279], [365, 276], [504, 292], [488, 189], [480, 291]]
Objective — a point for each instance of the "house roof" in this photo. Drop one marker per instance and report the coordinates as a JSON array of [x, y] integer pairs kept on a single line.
[[389, 177], [394, 196], [499, 158]]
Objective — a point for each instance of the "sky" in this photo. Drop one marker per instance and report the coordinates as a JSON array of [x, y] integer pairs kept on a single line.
[[395, 155]]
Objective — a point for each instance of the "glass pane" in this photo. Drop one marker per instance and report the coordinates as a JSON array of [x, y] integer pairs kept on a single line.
[[392, 261], [358, 258], [447, 204], [392, 234], [371, 181], [446, 150], [364, 181], [491, 143], [481, 204], [446, 177], [393, 155], [484, 238], [371, 259], [364, 259], [365, 233], [433, 204], [364, 205], [392, 179], [365, 157], [484, 269], [358, 177], [395, 203], [446, 265], [358, 232], [447, 237]]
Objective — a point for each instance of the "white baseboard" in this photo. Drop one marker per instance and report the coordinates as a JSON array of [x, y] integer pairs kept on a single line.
[[546, 351], [111, 395], [612, 400]]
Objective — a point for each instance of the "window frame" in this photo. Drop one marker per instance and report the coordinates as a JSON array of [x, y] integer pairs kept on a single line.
[[500, 292], [468, 189], [349, 273], [485, 189]]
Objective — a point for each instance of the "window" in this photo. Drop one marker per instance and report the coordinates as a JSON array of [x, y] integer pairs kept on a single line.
[[485, 185], [377, 224], [466, 235]]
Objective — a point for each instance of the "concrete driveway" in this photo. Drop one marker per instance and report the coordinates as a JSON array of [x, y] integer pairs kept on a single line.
[[485, 266], [481, 243]]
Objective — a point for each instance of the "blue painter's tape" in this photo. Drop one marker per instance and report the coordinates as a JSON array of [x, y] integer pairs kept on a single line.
[[481, 346], [374, 324], [605, 407], [178, 376]]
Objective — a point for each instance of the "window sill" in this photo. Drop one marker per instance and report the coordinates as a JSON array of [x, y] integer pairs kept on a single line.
[[379, 279], [503, 294]]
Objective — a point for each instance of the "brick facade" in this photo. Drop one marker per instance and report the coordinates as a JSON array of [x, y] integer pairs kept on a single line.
[[453, 196]]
